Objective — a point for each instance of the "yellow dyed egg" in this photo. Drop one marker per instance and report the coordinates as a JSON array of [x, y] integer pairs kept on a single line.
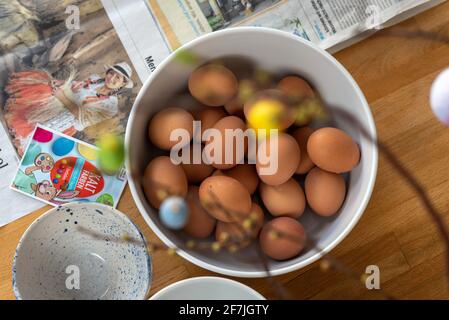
[[269, 110], [266, 114]]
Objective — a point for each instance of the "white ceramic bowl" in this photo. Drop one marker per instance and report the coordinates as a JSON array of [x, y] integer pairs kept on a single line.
[[275, 51], [53, 251], [207, 288]]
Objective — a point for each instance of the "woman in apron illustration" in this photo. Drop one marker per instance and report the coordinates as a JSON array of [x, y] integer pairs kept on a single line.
[[66, 106]]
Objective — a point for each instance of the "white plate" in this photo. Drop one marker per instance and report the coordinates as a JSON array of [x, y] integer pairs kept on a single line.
[[207, 288]]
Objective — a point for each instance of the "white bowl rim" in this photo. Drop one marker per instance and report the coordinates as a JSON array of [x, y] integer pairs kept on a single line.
[[76, 204], [371, 128], [175, 285]]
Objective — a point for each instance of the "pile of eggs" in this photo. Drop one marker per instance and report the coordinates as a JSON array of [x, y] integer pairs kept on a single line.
[[234, 202]]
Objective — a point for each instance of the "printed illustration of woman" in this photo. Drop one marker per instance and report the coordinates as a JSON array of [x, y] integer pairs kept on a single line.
[[66, 106]]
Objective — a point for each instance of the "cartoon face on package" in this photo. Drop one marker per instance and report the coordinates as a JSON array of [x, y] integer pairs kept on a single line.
[[58, 169]]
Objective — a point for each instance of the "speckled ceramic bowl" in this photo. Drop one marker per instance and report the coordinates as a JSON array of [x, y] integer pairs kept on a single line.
[[55, 250]]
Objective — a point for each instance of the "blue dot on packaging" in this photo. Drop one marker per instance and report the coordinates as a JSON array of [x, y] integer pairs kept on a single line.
[[62, 146], [174, 213]]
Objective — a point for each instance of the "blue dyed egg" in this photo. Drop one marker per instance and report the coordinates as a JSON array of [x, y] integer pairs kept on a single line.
[[62, 146], [174, 213]]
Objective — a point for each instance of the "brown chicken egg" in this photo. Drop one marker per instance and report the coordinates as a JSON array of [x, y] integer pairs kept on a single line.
[[234, 107], [162, 179], [333, 150], [213, 85], [241, 233], [276, 101], [208, 118], [275, 168], [282, 238], [236, 151], [200, 224], [301, 136], [245, 173], [164, 122], [296, 88], [286, 199], [196, 172], [325, 191], [225, 198]]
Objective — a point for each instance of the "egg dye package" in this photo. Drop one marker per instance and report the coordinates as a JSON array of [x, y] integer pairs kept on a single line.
[[58, 169]]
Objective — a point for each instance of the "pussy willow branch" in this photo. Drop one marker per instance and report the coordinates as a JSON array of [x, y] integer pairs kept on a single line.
[[247, 237], [416, 34], [263, 258], [408, 177], [335, 263], [339, 266], [281, 292]]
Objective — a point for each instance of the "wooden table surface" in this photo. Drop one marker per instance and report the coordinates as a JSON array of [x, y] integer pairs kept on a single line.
[[395, 232]]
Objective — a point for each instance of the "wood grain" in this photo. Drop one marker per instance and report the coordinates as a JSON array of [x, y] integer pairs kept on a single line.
[[395, 232]]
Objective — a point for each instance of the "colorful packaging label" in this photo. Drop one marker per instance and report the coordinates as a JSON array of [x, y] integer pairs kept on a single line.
[[58, 169]]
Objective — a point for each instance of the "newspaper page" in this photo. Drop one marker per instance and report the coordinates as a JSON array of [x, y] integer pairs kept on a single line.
[[151, 29], [62, 66], [14, 205]]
